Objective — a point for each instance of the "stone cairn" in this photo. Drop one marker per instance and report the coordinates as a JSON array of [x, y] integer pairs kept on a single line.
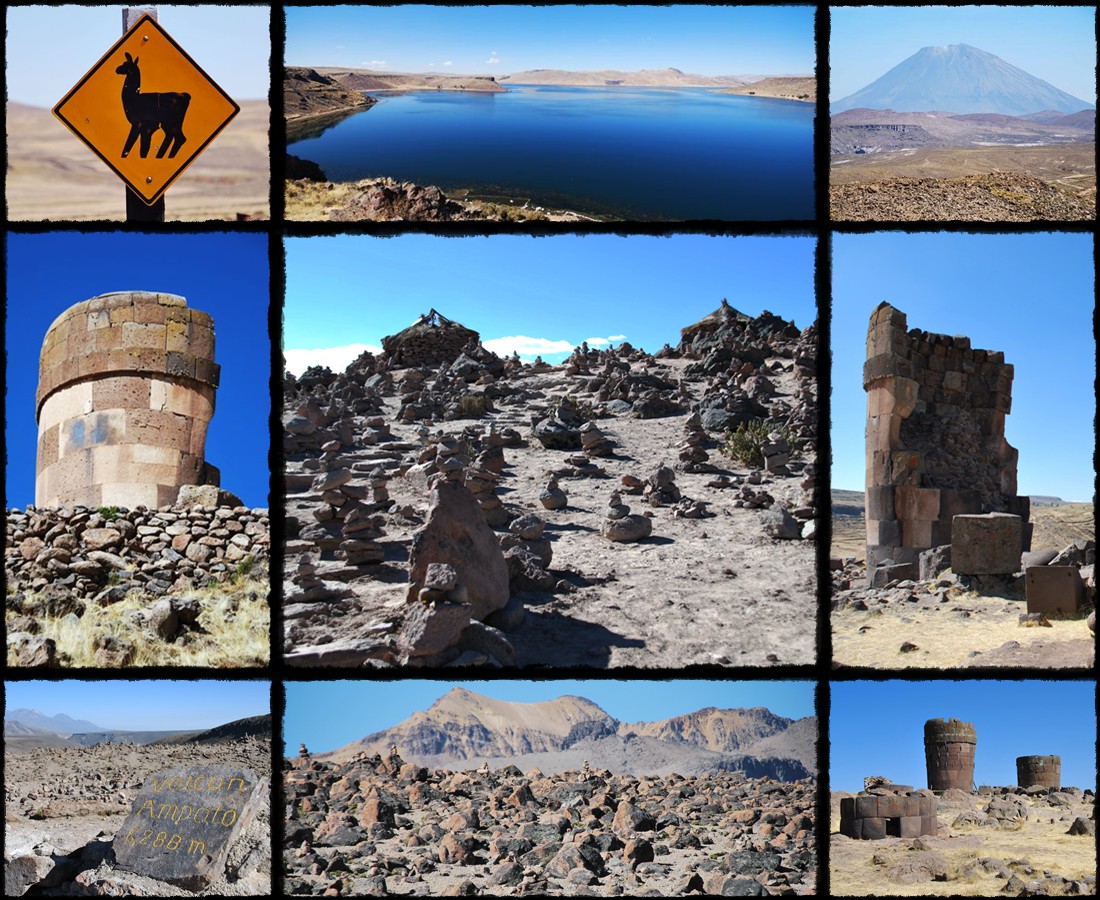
[[553, 497], [620, 526]]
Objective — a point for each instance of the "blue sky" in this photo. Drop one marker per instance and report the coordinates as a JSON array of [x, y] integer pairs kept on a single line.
[[144, 705], [49, 48], [225, 275], [877, 728], [544, 295], [1055, 43], [317, 711], [1029, 295], [500, 40]]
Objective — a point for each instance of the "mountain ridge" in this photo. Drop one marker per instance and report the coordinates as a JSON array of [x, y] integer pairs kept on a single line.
[[959, 78], [60, 723], [463, 729]]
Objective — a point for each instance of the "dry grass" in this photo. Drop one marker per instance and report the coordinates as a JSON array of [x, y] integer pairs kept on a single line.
[[1045, 846], [235, 618], [1056, 527], [968, 624]]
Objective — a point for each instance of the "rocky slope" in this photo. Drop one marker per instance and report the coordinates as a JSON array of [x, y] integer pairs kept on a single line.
[[959, 78], [720, 730], [1003, 197], [367, 80], [531, 463], [306, 93], [374, 827]]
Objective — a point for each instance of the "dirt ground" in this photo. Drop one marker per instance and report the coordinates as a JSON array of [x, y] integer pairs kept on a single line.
[[706, 591], [1040, 844], [1072, 166], [52, 175]]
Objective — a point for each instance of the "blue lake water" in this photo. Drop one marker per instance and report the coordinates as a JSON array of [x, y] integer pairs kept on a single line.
[[624, 153]]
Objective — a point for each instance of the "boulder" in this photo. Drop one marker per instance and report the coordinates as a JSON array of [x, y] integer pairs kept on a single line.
[[455, 533]]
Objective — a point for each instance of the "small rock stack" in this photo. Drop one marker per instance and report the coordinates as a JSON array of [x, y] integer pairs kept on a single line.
[[660, 488], [553, 497], [622, 527], [693, 455], [593, 440]]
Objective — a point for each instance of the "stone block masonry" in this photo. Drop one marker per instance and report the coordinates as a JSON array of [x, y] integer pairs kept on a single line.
[[872, 817], [183, 822], [126, 386], [1056, 591], [1039, 771], [936, 443], [949, 747]]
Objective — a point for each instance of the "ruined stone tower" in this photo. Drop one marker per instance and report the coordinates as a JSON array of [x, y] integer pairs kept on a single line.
[[936, 443], [126, 385], [949, 753], [1039, 771]]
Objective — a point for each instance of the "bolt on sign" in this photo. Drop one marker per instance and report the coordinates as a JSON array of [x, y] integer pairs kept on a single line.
[[146, 109]]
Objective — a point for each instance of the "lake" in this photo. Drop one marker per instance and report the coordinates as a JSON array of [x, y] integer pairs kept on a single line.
[[620, 153]]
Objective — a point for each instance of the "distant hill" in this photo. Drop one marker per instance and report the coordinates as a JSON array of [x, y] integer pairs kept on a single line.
[[258, 726], [612, 77], [60, 723], [463, 730], [959, 78]]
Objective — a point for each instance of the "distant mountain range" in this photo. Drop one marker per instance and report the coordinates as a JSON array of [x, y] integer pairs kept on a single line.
[[464, 729], [959, 78], [38, 722], [89, 734]]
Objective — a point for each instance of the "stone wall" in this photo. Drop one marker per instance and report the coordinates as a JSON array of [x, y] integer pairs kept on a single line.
[[77, 553], [936, 443], [888, 813], [949, 747], [1041, 771], [126, 386]]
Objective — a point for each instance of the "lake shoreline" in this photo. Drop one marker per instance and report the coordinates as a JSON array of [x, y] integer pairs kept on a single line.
[[383, 199]]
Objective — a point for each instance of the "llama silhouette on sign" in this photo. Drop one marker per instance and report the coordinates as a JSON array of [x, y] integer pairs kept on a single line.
[[148, 112]]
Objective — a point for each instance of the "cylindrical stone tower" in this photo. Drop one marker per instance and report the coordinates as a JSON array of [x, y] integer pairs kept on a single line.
[[1039, 771], [126, 385], [949, 752]]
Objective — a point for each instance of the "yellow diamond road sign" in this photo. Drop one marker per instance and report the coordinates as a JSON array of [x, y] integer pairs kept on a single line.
[[146, 109]]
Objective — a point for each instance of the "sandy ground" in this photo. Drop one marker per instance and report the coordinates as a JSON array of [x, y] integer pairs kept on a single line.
[[69, 797], [1040, 844], [52, 175], [705, 591]]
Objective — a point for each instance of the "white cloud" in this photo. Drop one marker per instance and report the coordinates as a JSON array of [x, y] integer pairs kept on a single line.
[[493, 58], [528, 347], [604, 341], [617, 337], [336, 358], [447, 62], [376, 63]]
